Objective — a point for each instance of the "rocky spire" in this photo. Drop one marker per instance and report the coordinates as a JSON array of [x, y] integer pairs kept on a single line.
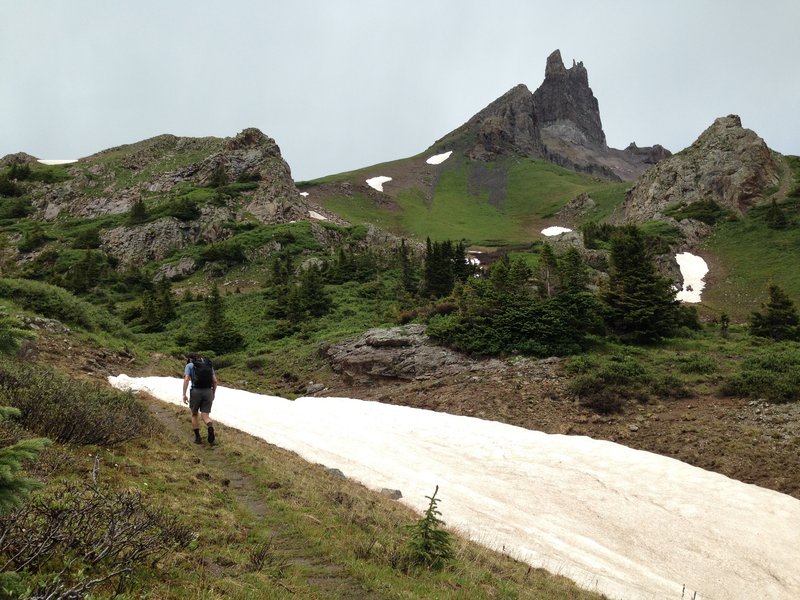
[[566, 106]]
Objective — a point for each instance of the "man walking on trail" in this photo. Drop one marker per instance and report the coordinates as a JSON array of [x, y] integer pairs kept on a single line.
[[200, 372]]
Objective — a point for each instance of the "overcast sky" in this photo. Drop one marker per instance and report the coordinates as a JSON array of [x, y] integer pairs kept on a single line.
[[342, 84]]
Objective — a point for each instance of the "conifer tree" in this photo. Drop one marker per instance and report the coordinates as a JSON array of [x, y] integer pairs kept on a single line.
[[307, 298], [408, 276], [14, 489], [776, 218], [218, 333], [779, 320], [438, 277], [641, 304], [138, 213], [164, 302], [548, 272], [572, 271], [430, 545]]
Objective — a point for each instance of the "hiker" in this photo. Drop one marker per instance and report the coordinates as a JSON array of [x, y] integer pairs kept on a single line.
[[201, 373]]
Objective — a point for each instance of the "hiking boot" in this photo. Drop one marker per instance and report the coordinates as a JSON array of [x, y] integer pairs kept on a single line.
[[211, 436], [198, 440]]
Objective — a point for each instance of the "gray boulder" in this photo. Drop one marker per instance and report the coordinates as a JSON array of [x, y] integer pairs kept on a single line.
[[404, 353]]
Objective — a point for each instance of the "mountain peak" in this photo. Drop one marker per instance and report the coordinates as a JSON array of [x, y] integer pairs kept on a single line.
[[566, 105], [555, 65], [727, 163]]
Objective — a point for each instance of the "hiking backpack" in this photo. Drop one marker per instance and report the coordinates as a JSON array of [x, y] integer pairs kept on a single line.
[[202, 373]]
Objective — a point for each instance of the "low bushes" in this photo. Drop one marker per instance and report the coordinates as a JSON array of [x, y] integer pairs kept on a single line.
[[772, 373], [77, 539], [56, 303], [71, 411], [605, 385]]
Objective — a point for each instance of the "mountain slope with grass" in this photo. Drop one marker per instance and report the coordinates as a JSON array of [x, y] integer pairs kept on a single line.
[[116, 263]]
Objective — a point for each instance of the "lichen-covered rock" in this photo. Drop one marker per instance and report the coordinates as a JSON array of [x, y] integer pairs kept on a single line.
[[183, 268], [138, 244], [727, 163], [404, 353]]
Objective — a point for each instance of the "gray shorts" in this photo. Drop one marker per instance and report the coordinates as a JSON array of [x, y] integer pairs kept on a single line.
[[200, 400]]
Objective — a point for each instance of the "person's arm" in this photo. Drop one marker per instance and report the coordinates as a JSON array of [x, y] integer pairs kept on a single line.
[[187, 377], [214, 383]]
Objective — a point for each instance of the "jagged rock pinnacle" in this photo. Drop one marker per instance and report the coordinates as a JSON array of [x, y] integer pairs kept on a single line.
[[566, 105]]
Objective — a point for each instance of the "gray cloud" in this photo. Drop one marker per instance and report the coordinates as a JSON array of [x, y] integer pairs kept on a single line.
[[347, 83]]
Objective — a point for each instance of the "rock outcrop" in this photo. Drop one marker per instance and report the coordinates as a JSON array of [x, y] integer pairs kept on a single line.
[[111, 181], [403, 353], [727, 163], [19, 158]]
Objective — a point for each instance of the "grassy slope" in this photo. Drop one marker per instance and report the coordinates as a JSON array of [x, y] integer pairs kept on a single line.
[[746, 256], [460, 209]]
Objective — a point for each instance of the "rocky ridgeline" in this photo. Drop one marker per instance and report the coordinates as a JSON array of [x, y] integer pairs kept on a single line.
[[156, 170], [727, 163], [559, 122]]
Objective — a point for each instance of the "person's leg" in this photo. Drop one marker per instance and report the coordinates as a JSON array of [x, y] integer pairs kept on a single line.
[[194, 407], [209, 426], [205, 410]]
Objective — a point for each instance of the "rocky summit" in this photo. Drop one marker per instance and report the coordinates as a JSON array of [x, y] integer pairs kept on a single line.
[[565, 105], [728, 164], [559, 122]]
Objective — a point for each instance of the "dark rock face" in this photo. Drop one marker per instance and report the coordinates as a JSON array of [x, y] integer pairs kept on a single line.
[[727, 163], [565, 105], [507, 125]]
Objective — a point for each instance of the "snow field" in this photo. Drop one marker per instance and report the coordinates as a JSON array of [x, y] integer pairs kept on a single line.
[[630, 524]]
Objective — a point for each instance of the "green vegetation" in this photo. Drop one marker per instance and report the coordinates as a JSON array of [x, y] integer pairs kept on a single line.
[[477, 207], [707, 211], [56, 303], [746, 251], [641, 302], [430, 545], [772, 373], [779, 320]]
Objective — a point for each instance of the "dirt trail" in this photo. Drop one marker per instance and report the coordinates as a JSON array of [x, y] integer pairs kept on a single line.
[[324, 578]]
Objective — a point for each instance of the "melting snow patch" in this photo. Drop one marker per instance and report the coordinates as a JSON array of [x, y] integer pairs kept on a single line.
[[304, 194], [629, 524], [438, 159], [315, 215], [693, 270], [54, 161], [555, 230], [377, 182]]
